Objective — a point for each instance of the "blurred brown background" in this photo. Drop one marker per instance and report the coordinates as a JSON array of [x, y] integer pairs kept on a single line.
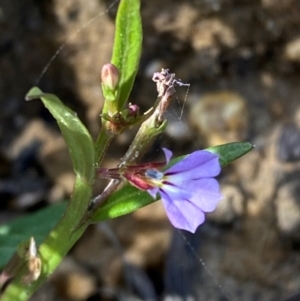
[[242, 59]]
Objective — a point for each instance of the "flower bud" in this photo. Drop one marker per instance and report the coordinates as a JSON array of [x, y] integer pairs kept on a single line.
[[110, 76], [133, 110]]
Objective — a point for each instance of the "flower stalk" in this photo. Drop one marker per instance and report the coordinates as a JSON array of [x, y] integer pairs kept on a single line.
[[148, 131]]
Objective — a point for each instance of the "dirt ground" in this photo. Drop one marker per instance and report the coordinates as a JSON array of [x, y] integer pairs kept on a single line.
[[242, 60]]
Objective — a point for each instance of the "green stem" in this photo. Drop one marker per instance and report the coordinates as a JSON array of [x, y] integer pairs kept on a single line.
[[103, 140], [144, 138], [62, 237], [56, 245], [148, 131]]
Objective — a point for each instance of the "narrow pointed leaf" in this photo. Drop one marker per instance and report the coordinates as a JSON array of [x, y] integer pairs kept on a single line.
[[76, 135], [127, 46], [124, 201], [231, 151]]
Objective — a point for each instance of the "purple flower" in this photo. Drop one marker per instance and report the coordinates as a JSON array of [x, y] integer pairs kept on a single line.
[[187, 188]]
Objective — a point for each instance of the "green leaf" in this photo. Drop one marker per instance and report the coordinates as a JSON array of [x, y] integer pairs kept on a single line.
[[76, 135], [123, 201], [129, 198], [127, 46], [231, 151], [37, 224], [227, 153]]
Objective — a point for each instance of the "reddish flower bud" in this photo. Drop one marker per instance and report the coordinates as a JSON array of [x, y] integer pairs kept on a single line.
[[137, 180], [133, 110], [110, 76]]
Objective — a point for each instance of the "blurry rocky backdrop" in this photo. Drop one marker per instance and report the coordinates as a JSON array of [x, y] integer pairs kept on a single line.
[[242, 59]]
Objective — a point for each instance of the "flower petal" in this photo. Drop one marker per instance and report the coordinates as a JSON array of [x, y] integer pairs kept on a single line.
[[205, 193], [168, 154], [176, 192], [153, 191], [182, 214], [199, 164]]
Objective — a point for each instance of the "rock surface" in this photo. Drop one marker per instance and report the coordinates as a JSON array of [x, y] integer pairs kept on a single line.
[[250, 50]]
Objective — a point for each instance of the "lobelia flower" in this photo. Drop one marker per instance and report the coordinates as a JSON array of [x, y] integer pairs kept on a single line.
[[187, 189]]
